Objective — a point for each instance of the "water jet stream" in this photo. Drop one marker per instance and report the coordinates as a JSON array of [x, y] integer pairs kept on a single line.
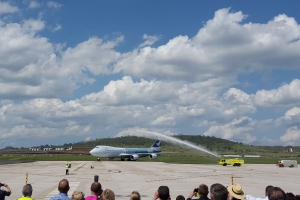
[[176, 141]]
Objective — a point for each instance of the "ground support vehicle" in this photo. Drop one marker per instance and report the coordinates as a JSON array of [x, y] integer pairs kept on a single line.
[[230, 161], [287, 163]]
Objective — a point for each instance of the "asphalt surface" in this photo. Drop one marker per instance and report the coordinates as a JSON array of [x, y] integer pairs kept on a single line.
[[144, 177]]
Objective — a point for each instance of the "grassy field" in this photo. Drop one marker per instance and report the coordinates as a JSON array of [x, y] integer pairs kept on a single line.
[[167, 159]]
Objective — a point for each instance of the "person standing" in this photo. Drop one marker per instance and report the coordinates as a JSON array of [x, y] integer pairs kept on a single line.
[[249, 197], [218, 192], [96, 191], [202, 191], [107, 195], [163, 193], [77, 195], [67, 168], [135, 196], [236, 192], [27, 192], [276, 193], [4, 193], [63, 188]]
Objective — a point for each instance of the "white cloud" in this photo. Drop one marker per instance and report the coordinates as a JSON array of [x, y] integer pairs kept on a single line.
[[94, 55], [291, 136], [145, 132], [57, 28], [187, 82], [34, 4], [236, 130], [291, 118], [238, 102], [31, 66], [285, 96], [179, 99], [164, 120], [7, 8], [292, 114], [222, 49], [52, 4], [114, 109], [149, 40]]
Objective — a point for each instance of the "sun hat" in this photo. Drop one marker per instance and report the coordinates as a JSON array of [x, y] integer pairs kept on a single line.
[[236, 191]]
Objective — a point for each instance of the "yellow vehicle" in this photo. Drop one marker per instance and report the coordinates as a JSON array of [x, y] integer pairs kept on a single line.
[[230, 161]]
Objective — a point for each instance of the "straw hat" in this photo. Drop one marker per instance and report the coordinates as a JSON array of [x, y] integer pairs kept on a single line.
[[236, 191]]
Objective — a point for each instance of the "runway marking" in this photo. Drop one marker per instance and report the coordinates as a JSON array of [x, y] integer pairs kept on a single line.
[[73, 186], [80, 167], [188, 177]]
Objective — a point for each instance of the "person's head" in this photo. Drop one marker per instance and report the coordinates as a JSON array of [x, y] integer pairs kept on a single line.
[[163, 192], [63, 186], [296, 197], [96, 188], [180, 197], [108, 195], [290, 195], [203, 190], [27, 190], [218, 192], [268, 189], [135, 196], [276, 193], [77, 195], [236, 191]]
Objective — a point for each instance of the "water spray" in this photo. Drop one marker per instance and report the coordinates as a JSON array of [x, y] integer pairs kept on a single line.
[[177, 141]]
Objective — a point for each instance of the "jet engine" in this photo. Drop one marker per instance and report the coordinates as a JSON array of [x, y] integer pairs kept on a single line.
[[134, 157], [153, 156]]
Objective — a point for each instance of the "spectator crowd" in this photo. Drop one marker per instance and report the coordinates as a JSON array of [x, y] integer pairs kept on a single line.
[[216, 191]]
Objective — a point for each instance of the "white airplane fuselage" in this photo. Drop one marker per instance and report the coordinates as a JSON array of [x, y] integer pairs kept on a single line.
[[131, 153]]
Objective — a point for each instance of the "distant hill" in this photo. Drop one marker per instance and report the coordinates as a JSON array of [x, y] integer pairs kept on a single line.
[[9, 147], [221, 146], [216, 145]]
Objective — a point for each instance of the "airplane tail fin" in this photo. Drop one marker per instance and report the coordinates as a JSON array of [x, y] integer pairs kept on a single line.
[[156, 144]]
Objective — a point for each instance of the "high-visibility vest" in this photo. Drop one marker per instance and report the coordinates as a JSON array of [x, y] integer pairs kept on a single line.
[[25, 198], [67, 166]]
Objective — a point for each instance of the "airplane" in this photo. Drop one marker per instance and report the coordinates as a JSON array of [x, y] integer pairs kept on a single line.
[[129, 153]]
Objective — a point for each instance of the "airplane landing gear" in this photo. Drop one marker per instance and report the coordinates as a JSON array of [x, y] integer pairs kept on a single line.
[[98, 159], [122, 159]]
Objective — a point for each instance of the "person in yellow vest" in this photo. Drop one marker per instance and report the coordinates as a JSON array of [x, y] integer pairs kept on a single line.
[[67, 169], [27, 192]]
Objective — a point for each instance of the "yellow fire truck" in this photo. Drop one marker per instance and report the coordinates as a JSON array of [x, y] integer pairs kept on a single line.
[[230, 161]]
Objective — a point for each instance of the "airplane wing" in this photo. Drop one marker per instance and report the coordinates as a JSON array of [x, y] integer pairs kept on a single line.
[[127, 155]]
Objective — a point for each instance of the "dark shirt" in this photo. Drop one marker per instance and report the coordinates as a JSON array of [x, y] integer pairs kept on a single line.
[[201, 198], [3, 193]]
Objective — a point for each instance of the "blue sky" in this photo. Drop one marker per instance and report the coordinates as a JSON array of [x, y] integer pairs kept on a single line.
[[73, 71]]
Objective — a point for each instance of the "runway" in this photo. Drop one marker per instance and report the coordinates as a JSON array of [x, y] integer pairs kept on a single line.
[[145, 177]]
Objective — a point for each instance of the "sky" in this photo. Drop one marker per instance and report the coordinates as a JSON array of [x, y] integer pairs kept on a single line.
[[74, 71]]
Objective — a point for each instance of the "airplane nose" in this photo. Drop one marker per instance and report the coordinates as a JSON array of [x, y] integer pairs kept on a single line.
[[92, 152]]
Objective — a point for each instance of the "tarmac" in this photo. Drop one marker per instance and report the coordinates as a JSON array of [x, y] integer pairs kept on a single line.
[[123, 177]]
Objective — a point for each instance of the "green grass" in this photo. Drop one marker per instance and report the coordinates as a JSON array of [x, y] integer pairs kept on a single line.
[[48, 158], [167, 159]]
